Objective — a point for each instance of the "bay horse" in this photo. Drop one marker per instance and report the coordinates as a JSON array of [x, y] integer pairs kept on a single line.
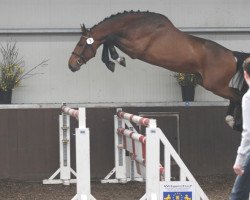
[[151, 37]]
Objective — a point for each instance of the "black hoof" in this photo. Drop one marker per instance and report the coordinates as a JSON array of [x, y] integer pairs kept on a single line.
[[111, 66], [122, 61]]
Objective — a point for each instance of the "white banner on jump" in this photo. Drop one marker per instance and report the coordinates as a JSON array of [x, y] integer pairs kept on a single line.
[[177, 190]]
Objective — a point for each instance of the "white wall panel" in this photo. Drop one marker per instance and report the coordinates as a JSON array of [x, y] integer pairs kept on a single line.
[[69, 13], [51, 13], [94, 83], [194, 13]]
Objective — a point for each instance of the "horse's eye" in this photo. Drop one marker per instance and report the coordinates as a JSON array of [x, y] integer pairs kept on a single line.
[[80, 45]]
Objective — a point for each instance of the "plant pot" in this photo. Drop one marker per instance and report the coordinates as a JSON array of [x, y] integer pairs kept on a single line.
[[5, 97], [188, 92]]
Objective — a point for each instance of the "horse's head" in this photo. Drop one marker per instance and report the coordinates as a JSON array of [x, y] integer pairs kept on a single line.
[[84, 50]]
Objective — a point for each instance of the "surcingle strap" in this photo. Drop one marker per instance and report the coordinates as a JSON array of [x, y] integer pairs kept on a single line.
[[237, 80]]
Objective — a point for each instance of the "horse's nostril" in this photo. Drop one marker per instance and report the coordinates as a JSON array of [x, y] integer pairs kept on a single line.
[[70, 67], [73, 69]]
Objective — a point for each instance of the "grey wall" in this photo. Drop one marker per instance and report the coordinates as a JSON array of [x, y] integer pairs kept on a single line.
[[94, 83]]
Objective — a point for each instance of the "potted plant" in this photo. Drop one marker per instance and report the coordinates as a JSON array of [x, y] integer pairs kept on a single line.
[[12, 71], [187, 82]]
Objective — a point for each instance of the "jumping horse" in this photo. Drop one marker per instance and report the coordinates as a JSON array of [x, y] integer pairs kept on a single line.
[[152, 38]]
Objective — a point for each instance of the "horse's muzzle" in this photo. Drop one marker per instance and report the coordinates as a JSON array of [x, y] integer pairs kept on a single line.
[[74, 69]]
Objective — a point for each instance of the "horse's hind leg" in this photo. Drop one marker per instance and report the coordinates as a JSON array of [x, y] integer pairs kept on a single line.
[[238, 117], [234, 116], [237, 112], [229, 119], [234, 112]]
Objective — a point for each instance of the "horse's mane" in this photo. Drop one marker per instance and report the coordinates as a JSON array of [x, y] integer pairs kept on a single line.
[[129, 13]]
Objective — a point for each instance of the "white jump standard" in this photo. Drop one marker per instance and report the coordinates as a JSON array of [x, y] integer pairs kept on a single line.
[[65, 169], [145, 153], [82, 154], [143, 164]]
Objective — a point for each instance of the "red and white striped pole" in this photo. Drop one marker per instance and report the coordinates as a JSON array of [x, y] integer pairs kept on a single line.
[[134, 118], [70, 111]]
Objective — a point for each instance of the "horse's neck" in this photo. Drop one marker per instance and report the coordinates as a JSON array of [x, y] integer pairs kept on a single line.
[[100, 32], [113, 27], [131, 33]]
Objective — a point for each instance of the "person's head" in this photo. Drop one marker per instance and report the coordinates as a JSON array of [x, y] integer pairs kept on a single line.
[[246, 67]]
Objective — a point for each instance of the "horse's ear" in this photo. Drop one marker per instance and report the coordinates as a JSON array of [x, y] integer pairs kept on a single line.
[[83, 28]]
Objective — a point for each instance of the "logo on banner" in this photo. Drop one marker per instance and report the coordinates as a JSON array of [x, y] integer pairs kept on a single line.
[[177, 190], [177, 195]]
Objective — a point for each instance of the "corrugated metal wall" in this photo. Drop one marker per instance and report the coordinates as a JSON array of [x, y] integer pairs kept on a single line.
[[94, 83]]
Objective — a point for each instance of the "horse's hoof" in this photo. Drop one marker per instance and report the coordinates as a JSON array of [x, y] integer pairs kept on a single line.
[[111, 66], [121, 61], [230, 121]]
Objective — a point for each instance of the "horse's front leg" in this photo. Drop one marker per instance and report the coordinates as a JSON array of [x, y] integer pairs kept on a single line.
[[114, 55], [105, 58], [109, 41]]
